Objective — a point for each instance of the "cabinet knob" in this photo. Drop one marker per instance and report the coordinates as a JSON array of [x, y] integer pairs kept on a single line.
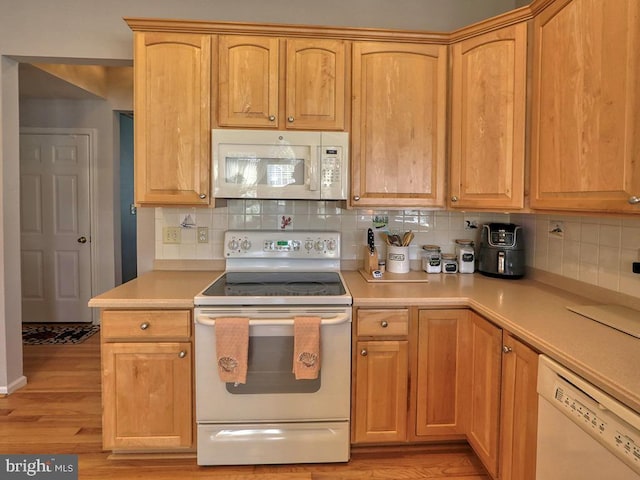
[[144, 326], [384, 324], [364, 352], [356, 197], [272, 118], [290, 119], [634, 200], [506, 349], [454, 199], [182, 354], [203, 196]]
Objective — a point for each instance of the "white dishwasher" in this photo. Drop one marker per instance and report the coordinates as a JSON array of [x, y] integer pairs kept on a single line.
[[583, 433]]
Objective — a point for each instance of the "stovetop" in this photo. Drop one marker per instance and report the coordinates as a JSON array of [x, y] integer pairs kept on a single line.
[[278, 267]]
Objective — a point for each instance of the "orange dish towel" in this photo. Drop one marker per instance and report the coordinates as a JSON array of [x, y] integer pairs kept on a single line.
[[306, 347], [232, 348]]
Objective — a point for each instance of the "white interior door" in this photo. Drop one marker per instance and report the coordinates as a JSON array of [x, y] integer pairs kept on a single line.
[[55, 227]]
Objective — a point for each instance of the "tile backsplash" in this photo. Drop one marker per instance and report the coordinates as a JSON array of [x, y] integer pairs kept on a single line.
[[595, 250], [429, 226]]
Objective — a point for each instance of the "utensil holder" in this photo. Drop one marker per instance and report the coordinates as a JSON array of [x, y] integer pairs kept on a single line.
[[398, 259]]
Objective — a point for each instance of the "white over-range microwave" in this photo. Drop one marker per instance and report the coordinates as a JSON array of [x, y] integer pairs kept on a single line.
[[280, 164]]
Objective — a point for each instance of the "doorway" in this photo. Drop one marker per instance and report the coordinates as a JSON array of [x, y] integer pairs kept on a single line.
[[55, 224], [128, 224]]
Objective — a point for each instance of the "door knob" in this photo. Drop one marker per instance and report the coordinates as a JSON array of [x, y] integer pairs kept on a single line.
[[82, 240]]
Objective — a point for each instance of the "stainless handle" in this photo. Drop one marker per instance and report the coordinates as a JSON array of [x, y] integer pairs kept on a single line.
[[454, 199], [202, 196], [82, 240], [144, 326], [384, 324], [182, 354], [507, 349], [290, 119], [272, 118], [633, 200], [356, 197], [363, 352], [274, 322]]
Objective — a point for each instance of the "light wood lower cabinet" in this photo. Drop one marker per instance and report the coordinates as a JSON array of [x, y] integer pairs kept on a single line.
[[484, 364], [147, 380], [440, 376], [381, 362], [519, 416]]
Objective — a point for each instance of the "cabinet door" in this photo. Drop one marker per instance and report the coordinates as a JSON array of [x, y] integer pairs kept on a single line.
[[398, 124], [519, 419], [381, 391], [585, 140], [147, 399], [483, 399], [441, 344], [248, 81], [315, 84], [488, 119], [172, 118]]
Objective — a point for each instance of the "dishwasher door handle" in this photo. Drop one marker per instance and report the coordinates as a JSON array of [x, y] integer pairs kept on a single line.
[[270, 322]]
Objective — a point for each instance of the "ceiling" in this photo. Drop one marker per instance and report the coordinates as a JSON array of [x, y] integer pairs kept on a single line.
[[35, 83]]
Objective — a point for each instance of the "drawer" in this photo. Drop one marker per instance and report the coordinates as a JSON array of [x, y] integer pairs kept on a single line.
[[145, 324], [383, 323]]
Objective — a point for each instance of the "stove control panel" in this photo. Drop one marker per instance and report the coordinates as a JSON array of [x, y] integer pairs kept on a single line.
[[285, 244]]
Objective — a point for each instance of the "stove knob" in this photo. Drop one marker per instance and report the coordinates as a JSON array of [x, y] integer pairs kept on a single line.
[[246, 244], [296, 245], [308, 245], [331, 245], [319, 245], [233, 244]]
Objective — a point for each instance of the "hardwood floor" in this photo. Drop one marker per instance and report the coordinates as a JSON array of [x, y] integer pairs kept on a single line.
[[59, 411]]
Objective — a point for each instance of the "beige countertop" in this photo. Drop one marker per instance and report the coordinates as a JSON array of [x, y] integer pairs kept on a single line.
[[532, 311]]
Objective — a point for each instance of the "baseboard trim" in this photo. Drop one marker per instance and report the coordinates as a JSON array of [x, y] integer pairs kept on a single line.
[[13, 386]]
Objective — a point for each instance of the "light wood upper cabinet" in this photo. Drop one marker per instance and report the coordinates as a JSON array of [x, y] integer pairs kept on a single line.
[[302, 89], [519, 416], [398, 124], [172, 118], [585, 141], [488, 120]]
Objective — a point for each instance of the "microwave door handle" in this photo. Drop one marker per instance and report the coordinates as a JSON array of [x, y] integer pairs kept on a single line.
[[314, 164], [210, 321]]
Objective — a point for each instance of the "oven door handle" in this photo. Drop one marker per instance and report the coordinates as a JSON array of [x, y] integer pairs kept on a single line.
[[211, 321]]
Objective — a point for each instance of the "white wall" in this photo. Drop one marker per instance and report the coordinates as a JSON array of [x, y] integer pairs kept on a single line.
[[93, 32]]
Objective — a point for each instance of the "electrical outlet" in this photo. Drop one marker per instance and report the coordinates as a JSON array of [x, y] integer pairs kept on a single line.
[[171, 235], [203, 234]]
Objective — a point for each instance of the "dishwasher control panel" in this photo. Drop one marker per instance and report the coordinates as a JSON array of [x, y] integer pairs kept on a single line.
[[598, 420]]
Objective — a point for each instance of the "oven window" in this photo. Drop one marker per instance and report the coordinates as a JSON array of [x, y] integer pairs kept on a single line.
[[270, 369]]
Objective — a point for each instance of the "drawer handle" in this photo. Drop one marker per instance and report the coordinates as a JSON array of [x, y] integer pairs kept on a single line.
[[364, 352], [182, 354], [384, 324], [144, 326]]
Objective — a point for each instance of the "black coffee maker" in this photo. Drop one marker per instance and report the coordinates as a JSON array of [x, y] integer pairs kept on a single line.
[[501, 253]]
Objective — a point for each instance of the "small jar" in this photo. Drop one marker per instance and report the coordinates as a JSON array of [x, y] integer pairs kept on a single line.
[[431, 259], [382, 266], [466, 256], [449, 263]]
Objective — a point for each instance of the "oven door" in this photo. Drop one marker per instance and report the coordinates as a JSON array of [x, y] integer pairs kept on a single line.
[[272, 394]]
